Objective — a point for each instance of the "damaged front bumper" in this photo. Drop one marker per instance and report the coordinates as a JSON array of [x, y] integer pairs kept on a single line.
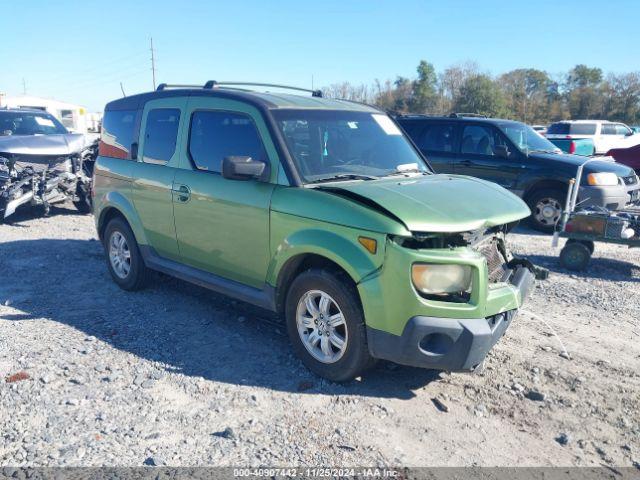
[[446, 343], [406, 328]]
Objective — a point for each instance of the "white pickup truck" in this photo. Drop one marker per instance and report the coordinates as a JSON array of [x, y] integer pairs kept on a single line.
[[605, 135]]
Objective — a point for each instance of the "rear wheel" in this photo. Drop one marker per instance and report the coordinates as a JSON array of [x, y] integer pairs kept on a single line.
[[326, 325], [546, 209], [123, 256], [575, 256]]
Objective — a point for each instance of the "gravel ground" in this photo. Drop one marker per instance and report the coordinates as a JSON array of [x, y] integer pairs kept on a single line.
[[91, 375]]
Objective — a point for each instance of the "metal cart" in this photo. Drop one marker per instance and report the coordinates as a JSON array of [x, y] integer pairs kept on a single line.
[[583, 228]]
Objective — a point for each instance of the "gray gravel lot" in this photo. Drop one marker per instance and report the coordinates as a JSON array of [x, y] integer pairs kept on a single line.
[[178, 375]]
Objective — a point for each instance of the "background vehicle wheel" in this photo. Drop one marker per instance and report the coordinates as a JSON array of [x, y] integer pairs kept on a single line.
[[326, 325], [575, 256], [587, 243], [123, 256], [546, 209], [82, 206]]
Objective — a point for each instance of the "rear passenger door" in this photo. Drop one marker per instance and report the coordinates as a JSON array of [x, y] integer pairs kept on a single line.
[[223, 225], [437, 141], [154, 170], [478, 156]]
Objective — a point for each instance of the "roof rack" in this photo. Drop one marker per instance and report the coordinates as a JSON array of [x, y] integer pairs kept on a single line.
[[414, 115], [211, 84], [462, 115]]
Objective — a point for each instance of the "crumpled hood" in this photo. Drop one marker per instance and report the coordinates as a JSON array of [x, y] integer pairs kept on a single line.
[[59, 144], [438, 203]]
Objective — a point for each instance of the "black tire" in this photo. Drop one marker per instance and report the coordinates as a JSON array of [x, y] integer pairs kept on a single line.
[[575, 256], [587, 243], [82, 206], [138, 273], [355, 358], [554, 198]]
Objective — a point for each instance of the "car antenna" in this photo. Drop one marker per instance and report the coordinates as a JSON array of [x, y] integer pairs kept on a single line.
[[122, 88]]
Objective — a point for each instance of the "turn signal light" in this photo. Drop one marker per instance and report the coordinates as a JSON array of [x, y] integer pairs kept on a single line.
[[369, 243]]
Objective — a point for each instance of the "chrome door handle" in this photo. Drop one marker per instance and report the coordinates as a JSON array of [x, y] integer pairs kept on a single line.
[[182, 193]]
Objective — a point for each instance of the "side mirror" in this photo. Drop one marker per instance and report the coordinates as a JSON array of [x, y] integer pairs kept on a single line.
[[501, 151], [628, 134], [242, 168]]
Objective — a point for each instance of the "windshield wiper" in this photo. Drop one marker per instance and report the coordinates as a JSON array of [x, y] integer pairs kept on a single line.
[[404, 172], [344, 176]]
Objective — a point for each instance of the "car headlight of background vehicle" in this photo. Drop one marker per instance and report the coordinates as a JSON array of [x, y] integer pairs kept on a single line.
[[437, 279], [602, 179]]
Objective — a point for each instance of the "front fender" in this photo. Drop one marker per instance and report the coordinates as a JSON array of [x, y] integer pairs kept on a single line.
[[118, 201], [340, 247]]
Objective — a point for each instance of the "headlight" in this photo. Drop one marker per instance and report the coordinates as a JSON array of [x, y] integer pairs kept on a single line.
[[602, 179], [434, 279]]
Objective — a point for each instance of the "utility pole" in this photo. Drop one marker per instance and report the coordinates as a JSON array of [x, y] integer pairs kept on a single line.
[[24, 86], [153, 65]]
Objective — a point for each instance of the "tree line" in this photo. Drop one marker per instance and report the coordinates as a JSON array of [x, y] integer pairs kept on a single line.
[[527, 94]]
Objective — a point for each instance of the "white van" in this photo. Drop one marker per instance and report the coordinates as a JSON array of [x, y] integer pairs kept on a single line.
[[605, 135]]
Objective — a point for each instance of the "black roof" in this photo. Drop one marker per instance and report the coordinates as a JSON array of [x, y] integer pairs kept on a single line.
[[261, 100], [453, 118]]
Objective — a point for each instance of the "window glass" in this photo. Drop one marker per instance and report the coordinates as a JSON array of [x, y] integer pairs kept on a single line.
[[117, 133], [160, 135], [480, 140], [436, 138], [328, 143], [29, 123], [563, 128], [621, 129], [216, 134], [526, 138], [608, 129], [413, 129]]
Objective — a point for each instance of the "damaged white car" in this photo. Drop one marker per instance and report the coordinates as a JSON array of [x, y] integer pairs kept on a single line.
[[41, 163]]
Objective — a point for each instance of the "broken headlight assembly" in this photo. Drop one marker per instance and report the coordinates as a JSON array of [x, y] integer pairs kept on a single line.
[[443, 282]]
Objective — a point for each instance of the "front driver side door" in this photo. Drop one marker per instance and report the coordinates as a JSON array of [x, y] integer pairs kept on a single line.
[[478, 156], [222, 225]]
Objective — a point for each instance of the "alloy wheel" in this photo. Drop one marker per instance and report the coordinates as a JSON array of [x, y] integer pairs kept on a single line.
[[119, 255], [321, 326]]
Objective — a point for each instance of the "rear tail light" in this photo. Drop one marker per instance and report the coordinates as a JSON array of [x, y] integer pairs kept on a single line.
[[572, 147]]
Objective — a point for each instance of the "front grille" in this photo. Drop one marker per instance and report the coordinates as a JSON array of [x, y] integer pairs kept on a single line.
[[630, 180], [496, 263]]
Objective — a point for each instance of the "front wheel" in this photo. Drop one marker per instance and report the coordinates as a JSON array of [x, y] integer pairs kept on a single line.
[[546, 209], [326, 325]]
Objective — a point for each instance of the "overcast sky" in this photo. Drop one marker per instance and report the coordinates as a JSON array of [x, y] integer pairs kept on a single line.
[[80, 51]]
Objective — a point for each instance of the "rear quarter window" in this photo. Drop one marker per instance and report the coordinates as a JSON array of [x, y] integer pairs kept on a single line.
[[160, 136], [117, 133]]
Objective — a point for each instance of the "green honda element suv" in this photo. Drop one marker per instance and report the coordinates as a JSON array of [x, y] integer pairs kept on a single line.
[[319, 209]]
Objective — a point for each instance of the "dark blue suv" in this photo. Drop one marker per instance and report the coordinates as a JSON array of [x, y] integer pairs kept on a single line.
[[514, 156]]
